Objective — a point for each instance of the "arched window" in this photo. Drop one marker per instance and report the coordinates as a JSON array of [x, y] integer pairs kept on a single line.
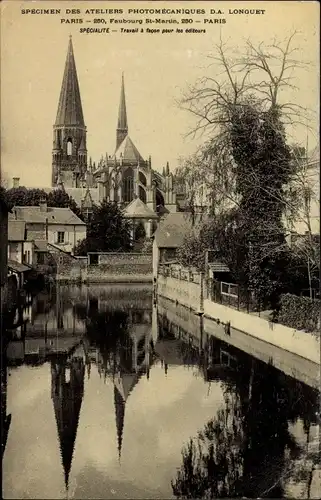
[[142, 194], [142, 178], [159, 200], [69, 147], [128, 185], [140, 232]]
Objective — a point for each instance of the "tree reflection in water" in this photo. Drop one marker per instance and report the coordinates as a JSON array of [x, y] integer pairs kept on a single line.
[[246, 450]]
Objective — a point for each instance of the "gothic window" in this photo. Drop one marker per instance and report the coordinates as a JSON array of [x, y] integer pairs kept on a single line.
[[142, 194], [140, 232], [128, 185], [159, 200], [142, 179], [69, 147]]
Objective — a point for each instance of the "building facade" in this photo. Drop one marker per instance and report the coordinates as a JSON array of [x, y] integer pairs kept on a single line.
[[121, 177], [58, 226]]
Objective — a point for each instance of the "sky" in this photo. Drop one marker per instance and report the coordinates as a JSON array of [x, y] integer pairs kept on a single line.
[[157, 69]]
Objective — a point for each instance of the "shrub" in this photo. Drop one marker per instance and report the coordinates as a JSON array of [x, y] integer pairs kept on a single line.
[[301, 313]]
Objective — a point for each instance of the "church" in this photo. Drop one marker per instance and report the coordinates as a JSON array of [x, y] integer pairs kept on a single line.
[[124, 177]]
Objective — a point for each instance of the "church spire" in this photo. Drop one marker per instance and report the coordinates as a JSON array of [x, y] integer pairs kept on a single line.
[[122, 125], [67, 399], [69, 153], [69, 107], [120, 418]]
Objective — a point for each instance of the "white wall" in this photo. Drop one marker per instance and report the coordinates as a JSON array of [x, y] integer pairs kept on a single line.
[[28, 246], [185, 292], [303, 344], [15, 251], [155, 258], [73, 234]]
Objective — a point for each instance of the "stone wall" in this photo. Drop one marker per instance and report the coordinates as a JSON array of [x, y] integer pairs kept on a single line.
[[121, 267], [187, 287], [182, 285], [298, 342]]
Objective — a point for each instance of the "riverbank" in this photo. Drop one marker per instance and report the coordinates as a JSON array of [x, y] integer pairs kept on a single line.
[[192, 293]]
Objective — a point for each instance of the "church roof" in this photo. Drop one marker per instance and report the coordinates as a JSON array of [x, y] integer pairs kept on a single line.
[[125, 383], [128, 151], [87, 201], [69, 107], [122, 113], [79, 194], [138, 210]]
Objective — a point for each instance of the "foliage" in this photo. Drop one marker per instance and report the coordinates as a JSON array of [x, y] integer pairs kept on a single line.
[[301, 313], [59, 198], [247, 162], [24, 197], [107, 231], [242, 450]]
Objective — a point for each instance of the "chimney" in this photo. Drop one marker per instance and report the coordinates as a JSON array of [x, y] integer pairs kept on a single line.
[[15, 182], [43, 205]]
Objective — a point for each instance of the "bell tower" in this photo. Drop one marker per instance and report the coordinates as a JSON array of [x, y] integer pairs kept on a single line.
[[69, 153]]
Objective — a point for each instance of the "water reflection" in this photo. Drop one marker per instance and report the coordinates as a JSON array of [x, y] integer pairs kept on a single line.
[[139, 402]]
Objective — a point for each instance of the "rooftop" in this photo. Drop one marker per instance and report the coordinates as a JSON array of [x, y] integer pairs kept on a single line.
[[53, 215], [17, 267], [138, 210], [172, 230], [128, 151]]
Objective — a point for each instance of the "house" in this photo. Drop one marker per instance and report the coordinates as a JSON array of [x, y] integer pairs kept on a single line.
[[58, 226], [4, 210], [19, 249], [170, 235]]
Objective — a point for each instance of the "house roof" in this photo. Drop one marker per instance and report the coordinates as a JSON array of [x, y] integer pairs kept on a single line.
[[16, 230], [172, 230], [41, 246], [128, 151], [17, 267], [54, 215], [138, 210]]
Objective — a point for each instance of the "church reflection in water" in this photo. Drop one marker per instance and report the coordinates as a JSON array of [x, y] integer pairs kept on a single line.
[[122, 339]]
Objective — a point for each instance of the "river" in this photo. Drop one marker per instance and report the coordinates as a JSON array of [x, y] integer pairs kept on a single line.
[[113, 396]]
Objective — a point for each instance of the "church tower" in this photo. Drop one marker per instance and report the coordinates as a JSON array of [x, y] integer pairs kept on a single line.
[[122, 125], [67, 390], [69, 153]]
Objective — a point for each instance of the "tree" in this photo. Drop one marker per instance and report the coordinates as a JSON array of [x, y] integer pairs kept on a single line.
[[59, 198], [23, 197], [107, 231], [247, 159], [301, 196]]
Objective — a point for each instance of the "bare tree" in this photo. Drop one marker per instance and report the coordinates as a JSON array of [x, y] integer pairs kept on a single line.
[[256, 77]]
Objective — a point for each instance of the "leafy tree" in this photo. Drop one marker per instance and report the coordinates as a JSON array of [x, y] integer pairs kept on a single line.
[[241, 451], [24, 197], [246, 159], [107, 231], [59, 198]]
